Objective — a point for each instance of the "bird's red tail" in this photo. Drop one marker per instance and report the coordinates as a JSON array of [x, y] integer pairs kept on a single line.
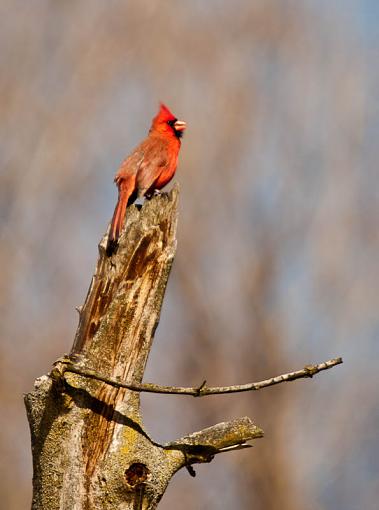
[[125, 194]]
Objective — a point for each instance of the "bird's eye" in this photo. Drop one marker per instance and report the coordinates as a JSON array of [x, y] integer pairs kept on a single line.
[[171, 122]]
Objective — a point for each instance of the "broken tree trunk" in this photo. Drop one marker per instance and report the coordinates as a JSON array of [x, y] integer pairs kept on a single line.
[[90, 450]]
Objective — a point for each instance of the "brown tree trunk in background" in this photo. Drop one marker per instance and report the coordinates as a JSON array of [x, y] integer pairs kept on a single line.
[[90, 450]]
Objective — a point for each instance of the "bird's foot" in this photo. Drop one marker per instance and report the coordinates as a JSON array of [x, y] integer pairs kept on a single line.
[[154, 193]]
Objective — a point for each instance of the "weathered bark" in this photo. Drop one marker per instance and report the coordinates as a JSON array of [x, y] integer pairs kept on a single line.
[[90, 450]]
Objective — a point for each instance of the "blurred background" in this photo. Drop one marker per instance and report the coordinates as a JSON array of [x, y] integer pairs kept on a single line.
[[278, 239]]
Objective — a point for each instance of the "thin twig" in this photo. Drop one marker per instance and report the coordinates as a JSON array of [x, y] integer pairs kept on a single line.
[[202, 390]]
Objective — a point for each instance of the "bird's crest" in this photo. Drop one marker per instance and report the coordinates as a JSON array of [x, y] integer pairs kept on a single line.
[[164, 113]]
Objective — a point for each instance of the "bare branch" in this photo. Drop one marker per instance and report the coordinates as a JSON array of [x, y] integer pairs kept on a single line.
[[223, 435], [227, 436], [66, 365]]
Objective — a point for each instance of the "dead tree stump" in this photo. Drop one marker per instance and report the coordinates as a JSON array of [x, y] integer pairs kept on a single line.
[[90, 450]]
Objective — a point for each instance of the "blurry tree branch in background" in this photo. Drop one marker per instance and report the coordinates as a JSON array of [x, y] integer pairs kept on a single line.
[[86, 428]]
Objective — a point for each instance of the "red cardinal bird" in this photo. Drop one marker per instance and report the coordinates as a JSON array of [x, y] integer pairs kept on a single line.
[[148, 168]]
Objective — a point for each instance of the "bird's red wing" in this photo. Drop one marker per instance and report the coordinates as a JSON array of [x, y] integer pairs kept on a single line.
[[149, 171], [131, 164]]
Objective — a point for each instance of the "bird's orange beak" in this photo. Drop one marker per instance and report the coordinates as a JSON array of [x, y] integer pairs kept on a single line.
[[180, 125]]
